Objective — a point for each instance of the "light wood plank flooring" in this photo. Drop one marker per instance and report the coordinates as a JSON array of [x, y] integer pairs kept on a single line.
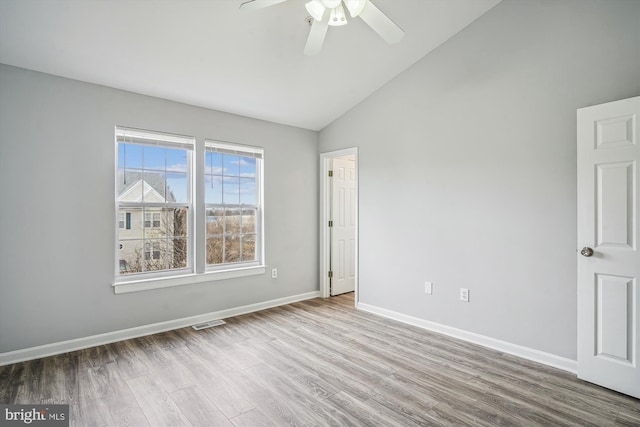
[[313, 363]]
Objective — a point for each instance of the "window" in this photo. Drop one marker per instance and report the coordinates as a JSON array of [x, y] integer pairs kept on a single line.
[[233, 205], [152, 251], [148, 222], [157, 213], [154, 203], [124, 220]]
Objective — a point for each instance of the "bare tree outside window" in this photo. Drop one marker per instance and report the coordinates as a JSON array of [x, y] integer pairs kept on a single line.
[[232, 204]]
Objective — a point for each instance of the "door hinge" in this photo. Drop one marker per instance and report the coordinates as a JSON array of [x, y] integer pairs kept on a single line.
[[330, 223], [330, 173], [330, 273]]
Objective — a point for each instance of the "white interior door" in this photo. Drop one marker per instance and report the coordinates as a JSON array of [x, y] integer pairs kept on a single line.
[[343, 231], [608, 257]]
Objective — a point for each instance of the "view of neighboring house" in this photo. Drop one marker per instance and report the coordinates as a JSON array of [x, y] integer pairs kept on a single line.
[[151, 237]]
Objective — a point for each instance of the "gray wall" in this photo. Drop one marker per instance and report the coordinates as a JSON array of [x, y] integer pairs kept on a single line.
[[57, 220], [468, 168]]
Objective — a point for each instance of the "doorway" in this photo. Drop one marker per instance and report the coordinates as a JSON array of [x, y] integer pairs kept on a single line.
[[339, 222]]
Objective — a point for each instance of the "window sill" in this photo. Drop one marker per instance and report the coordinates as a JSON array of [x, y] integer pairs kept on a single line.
[[187, 279]]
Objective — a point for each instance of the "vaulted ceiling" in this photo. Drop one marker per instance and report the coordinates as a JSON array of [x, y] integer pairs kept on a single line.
[[211, 54]]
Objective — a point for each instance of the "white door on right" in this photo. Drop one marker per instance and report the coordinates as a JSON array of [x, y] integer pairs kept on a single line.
[[343, 231], [608, 256]]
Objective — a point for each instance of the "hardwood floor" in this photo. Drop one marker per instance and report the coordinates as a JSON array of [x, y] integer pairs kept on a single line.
[[313, 363]]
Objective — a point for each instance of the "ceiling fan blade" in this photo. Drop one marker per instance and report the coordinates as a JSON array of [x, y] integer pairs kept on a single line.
[[381, 24], [251, 5], [316, 37]]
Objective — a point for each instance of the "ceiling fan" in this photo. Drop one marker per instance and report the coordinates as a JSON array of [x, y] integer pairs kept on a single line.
[[332, 12]]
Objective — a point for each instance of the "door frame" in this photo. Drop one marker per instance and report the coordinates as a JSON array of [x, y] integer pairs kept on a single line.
[[325, 205]]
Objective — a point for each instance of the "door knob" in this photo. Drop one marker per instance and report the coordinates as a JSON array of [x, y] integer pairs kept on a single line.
[[586, 251]]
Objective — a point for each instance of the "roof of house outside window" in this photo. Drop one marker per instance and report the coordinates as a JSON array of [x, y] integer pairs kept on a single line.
[[136, 178]]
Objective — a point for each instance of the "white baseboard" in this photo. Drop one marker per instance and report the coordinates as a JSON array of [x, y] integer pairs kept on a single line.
[[502, 346], [109, 337]]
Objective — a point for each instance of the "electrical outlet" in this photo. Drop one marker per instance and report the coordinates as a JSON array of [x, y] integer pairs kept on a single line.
[[464, 294], [428, 288], [274, 273]]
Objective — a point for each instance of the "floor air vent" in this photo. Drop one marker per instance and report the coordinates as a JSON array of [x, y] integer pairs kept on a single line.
[[208, 324]]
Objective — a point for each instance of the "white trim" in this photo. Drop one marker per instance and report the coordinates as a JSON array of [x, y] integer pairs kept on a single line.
[[150, 137], [325, 160], [226, 147], [485, 341], [125, 334], [187, 279]]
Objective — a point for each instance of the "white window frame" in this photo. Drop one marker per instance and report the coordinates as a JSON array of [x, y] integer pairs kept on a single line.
[[153, 138], [197, 271], [228, 148]]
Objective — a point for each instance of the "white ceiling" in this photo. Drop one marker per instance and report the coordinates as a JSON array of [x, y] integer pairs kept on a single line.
[[211, 54]]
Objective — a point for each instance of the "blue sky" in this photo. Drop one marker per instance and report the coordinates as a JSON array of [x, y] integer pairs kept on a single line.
[[228, 178]]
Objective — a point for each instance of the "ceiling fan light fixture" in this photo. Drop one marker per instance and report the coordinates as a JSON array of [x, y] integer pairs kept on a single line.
[[355, 6], [324, 13], [316, 9], [337, 17], [330, 4]]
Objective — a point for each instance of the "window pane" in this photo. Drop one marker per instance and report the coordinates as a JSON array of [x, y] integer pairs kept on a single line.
[[151, 232], [231, 191], [248, 247], [129, 185], [129, 156], [153, 186], [130, 256], [248, 167], [132, 227], [213, 189], [177, 222], [231, 165], [121, 150], [155, 255], [213, 163], [232, 248], [215, 221], [177, 252], [154, 157], [214, 250], [177, 187], [248, 221], [247, 191], [232, 221], [176, 160]]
